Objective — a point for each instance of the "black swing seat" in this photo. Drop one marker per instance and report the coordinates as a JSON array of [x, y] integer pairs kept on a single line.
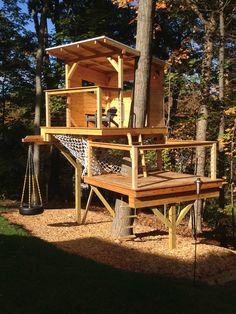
[[32, 210]]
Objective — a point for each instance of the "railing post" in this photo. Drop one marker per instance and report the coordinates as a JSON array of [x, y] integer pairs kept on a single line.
[[134, 161], [90, 156], [121, 86], [48, 110], [99, 108], [78, 191], [213, 160], [172, 229]]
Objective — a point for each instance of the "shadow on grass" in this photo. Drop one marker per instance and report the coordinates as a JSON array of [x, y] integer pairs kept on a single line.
[[36, 278]]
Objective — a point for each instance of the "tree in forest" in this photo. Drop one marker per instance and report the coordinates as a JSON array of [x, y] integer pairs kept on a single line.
[[122, 223], [143, 65], [16, 92], [39, 12]]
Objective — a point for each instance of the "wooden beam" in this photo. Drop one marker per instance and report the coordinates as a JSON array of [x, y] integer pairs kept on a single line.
[[162, 218], [114, 63], [112, 146], [142, 202], [93, 51], [104, 201], [70, 53], [172, 228], [48, 110], [124, 50], [183, 213], [142, 153], [65, 154], [106, 132], [78, 191], [121, 86], [134, 171], [88, 204], [72, 70], [90, 156], [39, 139], [99, 108], [98, 55]]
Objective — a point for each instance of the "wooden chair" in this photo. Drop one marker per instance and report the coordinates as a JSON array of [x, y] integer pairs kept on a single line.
[[107, 118]]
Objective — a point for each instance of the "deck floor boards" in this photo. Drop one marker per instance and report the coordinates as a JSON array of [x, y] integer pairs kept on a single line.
[[163, 187], [156, 181]]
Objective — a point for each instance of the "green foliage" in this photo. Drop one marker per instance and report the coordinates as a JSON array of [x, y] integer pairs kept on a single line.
[[58, 103], [166, 157]]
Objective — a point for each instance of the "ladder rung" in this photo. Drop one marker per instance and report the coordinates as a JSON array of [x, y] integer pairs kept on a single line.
[[131, 236], [131, 216], [129, 227]]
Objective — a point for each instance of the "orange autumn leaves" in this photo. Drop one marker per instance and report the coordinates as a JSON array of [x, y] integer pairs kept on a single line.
[[124, 3]]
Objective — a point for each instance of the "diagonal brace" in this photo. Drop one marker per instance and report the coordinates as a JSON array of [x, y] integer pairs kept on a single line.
[[102, 199]]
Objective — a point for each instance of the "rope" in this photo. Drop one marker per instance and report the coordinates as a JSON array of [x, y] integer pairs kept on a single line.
[[33, 184]]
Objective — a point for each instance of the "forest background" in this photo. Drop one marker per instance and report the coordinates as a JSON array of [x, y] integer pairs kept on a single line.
[[196, 37]]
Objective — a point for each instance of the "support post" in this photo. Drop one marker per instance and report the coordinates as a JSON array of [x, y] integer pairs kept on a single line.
[[99, 108], [67, 85], [48, 110], [142, 153], [67, 75], [172, 228], [121, 86], [90, 156], [78, 191], [134, 160]]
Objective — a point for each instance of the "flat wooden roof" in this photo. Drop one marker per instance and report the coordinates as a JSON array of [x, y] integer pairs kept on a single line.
[[94, 50]]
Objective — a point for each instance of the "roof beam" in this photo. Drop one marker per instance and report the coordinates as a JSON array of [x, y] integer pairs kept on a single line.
[[71, 53], [99, 55], [114, 63], [93, 51]]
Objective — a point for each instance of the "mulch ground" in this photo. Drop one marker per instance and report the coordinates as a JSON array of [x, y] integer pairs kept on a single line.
[[149, 253]]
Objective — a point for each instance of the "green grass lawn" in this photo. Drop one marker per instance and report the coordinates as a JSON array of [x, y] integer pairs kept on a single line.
[[36, 277]]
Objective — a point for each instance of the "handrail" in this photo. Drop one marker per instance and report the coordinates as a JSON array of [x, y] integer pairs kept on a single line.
[[72, 90], [168, 144], [67, 91], [134, 150]]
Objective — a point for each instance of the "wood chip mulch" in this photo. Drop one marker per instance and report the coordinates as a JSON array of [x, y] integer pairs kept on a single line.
[[149, 254]]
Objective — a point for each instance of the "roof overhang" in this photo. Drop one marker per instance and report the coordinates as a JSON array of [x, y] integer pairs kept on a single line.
[[97, 50]]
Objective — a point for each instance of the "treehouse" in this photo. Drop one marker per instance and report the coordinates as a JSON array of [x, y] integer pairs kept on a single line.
[[96, 128]]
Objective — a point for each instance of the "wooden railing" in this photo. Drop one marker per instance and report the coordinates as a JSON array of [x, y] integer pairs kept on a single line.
[[135, 150], [99, 90]]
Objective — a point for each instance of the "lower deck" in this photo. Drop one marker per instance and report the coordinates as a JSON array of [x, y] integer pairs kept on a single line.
[[161, 187]]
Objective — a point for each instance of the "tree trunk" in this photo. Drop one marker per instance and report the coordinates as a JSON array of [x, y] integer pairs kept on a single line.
[[143, 65], [123, 220], [221, 100], [38, 106], [201, 127], [40, 24]]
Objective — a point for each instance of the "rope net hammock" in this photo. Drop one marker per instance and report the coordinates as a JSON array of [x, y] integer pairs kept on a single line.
[[113, 161], [104, 161]]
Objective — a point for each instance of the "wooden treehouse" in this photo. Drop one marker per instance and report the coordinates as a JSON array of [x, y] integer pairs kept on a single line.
[[97, 122]]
